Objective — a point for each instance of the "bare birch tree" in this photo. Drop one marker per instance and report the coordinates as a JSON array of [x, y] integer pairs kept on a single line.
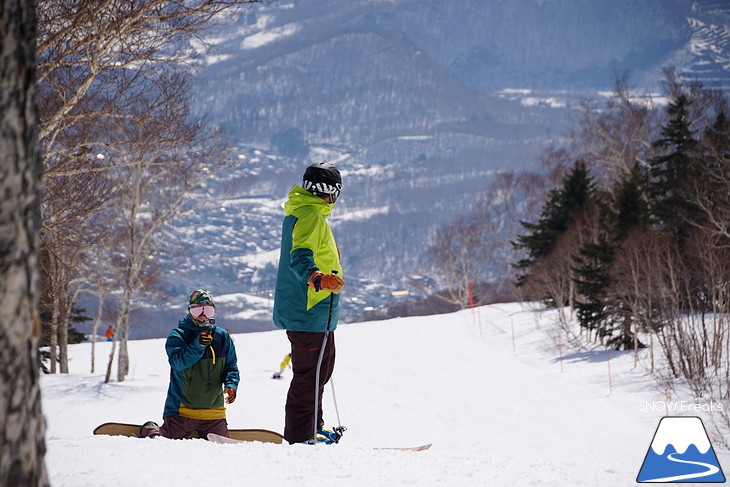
[[615, 134], [165, 161], [97, 62], [476, 250], [459, 253], [22, 443], [101, 285]]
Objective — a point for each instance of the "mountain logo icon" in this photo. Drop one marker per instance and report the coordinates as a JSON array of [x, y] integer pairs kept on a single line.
[[681, 452]]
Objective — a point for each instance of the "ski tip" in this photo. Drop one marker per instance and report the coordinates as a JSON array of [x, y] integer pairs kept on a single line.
[[406, 448]]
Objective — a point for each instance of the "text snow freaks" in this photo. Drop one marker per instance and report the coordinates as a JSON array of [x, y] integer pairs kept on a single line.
[[679, 407]]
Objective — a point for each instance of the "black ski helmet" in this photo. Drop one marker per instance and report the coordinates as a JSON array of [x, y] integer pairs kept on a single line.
[[323, 178]]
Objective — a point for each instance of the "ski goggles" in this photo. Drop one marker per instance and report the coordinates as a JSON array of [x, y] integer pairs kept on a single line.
[[198, 311], [322, 188]]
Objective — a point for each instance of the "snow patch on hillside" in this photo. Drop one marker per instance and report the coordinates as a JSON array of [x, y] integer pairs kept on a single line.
[[263, 38], [363, 214]]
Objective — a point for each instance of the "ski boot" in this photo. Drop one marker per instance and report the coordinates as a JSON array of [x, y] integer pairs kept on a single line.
[[330, 436], [149, 430]]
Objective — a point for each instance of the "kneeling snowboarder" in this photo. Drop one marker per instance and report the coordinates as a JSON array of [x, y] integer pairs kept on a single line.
[[203, 374]]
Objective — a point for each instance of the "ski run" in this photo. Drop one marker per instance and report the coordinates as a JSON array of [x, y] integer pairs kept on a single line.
[[502, 397]]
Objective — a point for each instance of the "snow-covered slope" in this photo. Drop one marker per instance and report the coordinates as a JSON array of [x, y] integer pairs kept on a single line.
[[707, 54], [501, 398]]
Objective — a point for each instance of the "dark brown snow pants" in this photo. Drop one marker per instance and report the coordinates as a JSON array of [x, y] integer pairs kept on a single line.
[[177, 427], [305, 348]]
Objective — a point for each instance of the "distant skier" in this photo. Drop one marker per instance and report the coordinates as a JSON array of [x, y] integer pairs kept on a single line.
[[282, 367], [305, 283], [203, 369], [109, 334]]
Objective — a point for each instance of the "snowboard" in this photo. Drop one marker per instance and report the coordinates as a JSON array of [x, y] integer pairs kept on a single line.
[[214, 438], [126, 429]]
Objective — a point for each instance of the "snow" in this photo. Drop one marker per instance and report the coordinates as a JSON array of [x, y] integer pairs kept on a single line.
[[266, 37], [415, 137], [259, 259], [552, 102], [365, 214], [502, 399]]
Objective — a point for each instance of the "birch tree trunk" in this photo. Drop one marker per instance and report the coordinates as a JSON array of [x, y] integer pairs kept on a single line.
[[22, 443], [95, 328], [55, 319]]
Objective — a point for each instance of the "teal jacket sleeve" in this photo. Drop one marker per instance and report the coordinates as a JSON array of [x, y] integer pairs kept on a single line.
[[302, 263], [182, 355], [231, 374]]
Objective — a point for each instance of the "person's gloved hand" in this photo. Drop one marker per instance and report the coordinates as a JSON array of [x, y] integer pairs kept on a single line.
[[205, 339], [332, 283], [230, 395], [329, 282]]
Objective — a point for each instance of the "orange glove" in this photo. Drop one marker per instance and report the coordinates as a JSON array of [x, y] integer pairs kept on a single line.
[[230, 395], [328, 282], [205, 339], [332, 283]]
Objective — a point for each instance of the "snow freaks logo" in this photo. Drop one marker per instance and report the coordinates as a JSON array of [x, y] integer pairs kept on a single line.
[[681, 452], [680, 407]]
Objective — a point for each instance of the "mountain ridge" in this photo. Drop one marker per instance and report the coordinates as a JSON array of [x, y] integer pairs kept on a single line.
[[420, 104]]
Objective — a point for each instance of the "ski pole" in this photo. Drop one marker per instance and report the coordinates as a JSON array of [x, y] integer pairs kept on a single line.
[[319, 366], [339, 429]]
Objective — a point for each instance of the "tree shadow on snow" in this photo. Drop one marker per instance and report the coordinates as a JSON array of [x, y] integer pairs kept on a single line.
[[596, 356]]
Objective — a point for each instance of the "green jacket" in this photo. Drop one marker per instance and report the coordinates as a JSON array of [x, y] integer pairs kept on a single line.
[[198, 374], [307, 245]]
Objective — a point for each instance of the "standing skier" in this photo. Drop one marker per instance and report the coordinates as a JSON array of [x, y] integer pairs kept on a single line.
[[203, 369], [306, 300]]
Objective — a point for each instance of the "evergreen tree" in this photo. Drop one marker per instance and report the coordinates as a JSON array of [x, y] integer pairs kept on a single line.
[[677, 181], [591, 280], [671, 172], [601, 309], [630, 205], [716, 138], [556, 217]]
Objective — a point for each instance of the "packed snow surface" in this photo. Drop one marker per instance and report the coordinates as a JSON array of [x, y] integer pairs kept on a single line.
[[502, 397]]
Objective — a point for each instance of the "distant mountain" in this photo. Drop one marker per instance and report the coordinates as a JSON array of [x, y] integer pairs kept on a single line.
[[356, 72], [420, 103]]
